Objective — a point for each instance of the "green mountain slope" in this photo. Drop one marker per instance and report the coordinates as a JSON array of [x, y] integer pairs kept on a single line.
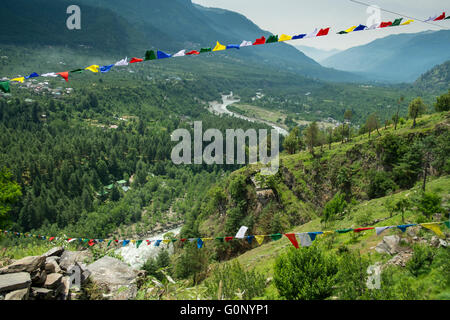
[[396, 58], [436, 78]]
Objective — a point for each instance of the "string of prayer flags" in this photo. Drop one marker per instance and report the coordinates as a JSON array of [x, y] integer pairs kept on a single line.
[[293, 239], [433, 226]]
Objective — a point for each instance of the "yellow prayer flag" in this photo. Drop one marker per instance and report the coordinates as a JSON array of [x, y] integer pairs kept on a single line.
[[207, 239], [133, 241], [407, 22], [433, 226], [93, 68], [327, 233], [284, 37], [219, 47], [21, 79], [166, 241], [259, 239], [350, 29]]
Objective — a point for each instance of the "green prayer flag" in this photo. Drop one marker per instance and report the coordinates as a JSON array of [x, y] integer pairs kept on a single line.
[[447, 223], [77, 71], [109, 242], [173, 240], [4, 86], [138, 243], [276, 236], [150, 55], [447, 18], [341, 32], [205, 50], [397, 22], [344, 230], [220, 239], [272, 39]]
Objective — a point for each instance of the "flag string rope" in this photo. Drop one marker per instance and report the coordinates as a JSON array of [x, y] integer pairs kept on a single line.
[[306, 238], [151, 55]]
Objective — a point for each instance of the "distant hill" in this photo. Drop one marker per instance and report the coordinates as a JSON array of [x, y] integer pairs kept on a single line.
[[317, 54], [436, 78], [396, 58], [115, 27]]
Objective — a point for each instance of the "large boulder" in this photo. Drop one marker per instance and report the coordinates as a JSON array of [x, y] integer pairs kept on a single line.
[[68, 258], [21, 294], [14, 281], [53, 280], [54, 252], [27, 264], [389, 245], [115, 277]]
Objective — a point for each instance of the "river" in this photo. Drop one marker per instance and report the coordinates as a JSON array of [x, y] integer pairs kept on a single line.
[[136, 257], [221, 108]]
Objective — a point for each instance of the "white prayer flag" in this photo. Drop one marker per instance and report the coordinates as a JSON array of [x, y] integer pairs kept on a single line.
[[122, 62], [241, 233], [246, 43], [180, 53]]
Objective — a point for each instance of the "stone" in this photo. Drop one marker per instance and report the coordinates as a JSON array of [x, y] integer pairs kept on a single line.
[[57, 251], [21, 294], [400, 259], [52, 267], [27, 264], [68, 258], [38, 277], [434, 241], [41, 293], [390, 245], [14, 281], [53, 280], [115, 276], [53, 258], [442, 243], [64, 288]]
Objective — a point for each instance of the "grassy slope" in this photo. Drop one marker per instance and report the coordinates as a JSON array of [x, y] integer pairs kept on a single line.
[[262, 258]]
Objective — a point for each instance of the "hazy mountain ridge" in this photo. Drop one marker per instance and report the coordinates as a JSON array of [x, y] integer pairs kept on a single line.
[[396, 58]]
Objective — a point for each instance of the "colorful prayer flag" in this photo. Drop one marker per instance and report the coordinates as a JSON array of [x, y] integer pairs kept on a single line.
[[199, 243], [276, 236], [245, 43], [406, 22], [299, 36], [4, 86], [261, 40], [362, 229], [433, 226], [284, 37], [180, 53], [441, 17], [272, 39], [107, 68], [162, 55], [219, 47], [150, 55], [121, 63], [323, 32], [203, 50], [20, 79], [259, 239], [64, 75], [233, 46], [396, 22], [93, 68], [360, 28], [192, 52], [33, 75], [293, 239], [134, 60]]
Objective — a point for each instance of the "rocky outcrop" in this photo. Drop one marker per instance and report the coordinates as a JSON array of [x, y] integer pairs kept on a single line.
[[389, 245], [115, 277]]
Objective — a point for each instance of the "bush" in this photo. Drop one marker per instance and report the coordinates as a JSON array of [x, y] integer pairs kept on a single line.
[[380, 184], [421, 260], [334, 207], [153, 265], [352, 276], [231, 281], [429, 204], [306, 274]]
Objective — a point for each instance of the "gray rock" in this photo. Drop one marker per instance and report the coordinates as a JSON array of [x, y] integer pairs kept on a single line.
[[115, 276], [21, 294], [38, 277], [14, 281], [52, 267], [41, 293], [57, 251], [53, 258], [53, 280], [64, 288], [68, 258], [390, 245], [27, 264]]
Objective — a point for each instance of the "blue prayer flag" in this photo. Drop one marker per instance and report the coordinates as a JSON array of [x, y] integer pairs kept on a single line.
[[105, 69], [360, 27], [162, 55], [299, 36], [233, 46]]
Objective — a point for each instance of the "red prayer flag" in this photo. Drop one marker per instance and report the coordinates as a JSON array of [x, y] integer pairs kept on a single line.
[[65, 75], [385, 24], [261, 40], [51, 238], [293, 239], [362, 229], [133, 60], [192, 52], [441, 17], [91, 242], [228, 239], [183, 240], [323, 32]]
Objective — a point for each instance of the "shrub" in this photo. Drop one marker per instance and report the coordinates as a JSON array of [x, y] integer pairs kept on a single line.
[[306, 274], [334, 207], [429, 204], [352, 276], [380, 184], [231, 281], [421, 260], [153, 265]]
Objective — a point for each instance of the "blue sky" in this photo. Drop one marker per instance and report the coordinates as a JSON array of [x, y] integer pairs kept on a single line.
[[302, 16]]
